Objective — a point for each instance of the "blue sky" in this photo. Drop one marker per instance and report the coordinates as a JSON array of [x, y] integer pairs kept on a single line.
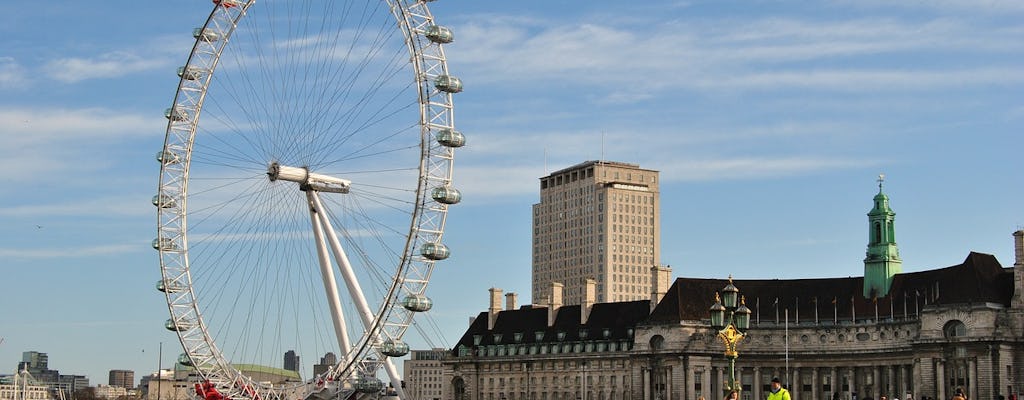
[[768, 120]]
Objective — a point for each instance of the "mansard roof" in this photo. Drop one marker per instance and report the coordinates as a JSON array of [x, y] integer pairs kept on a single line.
[[618, 318], [979, 279]]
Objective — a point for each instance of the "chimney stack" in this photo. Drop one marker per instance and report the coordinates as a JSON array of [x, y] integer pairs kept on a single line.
[[661, 278], [495, 307], [556, 302], [589, 296], [511, 301]]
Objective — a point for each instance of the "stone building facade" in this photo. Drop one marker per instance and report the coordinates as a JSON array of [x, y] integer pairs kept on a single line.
[[924, 333]]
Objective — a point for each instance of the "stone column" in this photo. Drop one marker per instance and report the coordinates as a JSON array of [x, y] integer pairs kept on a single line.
[[688, 380], [972, 379], [852, 376], [940, 380], [901, 380], [891, 382], [794, 385], [668, 382], [834, 382], [876, 381], [645, 373], [815, 386], [755, 386]]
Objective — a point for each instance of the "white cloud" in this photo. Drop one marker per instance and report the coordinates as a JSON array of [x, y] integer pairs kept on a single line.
[[48, 142], [12, 74], [71, 252], [712, 55], [108, 65]]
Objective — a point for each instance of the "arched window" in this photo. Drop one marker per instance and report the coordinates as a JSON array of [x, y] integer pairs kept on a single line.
[[657, 342], [954, 329], [877, 233]]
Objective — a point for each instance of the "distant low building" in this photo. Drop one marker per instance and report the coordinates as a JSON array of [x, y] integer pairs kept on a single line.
[[109, 392], [423, 374]]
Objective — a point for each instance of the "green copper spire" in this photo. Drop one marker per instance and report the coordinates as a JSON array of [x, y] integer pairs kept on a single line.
[[882, 262]]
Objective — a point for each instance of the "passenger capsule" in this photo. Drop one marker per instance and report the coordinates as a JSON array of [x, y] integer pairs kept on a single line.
[[450, 138], [434, 251], [448, 83], [183, 359], [394, 348], [164, 244], [189, 73], [368, 384], [439, 34], [417, 303], [167, 157], [169, 286], [176, 114], [164, 201], [446, 195], [183, 325], [205, 35]]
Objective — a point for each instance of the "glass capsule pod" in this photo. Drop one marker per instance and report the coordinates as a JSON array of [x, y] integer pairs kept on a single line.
[[189, 73], [394, 348], [446, 195], [184, 325], [205, 35], [168, 157], [448, 83], [169, 286], [164, 201], [368, 384], [164, 244], [434, 251], [184, 360], [417, 303], [439, 34], [450, 138], [176, 114]]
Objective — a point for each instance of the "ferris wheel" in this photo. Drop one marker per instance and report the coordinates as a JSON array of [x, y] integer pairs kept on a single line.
[[305, 180]]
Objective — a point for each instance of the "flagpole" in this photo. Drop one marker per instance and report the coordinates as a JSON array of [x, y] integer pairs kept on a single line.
[[758, 306], [853, 309], [815, 310], [835, 310], [787, 349]]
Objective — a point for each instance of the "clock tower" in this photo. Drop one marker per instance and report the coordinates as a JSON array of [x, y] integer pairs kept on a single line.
[[883, 257]]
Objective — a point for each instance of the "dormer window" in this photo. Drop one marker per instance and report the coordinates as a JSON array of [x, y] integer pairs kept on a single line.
[[607, 333], [561, 336], [477, 339], [583, 333], [538, 336], [518, 337], [497, 338]]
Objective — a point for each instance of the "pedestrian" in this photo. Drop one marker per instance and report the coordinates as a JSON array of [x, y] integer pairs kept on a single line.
[[959, 395], [777, 391], [700, 398], [732, 395]]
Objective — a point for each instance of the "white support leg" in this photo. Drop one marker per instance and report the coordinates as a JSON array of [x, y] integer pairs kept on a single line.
[[355, 290], [327, 274]]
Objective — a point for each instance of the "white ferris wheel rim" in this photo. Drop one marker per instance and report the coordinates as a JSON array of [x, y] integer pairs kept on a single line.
[[425, 228]]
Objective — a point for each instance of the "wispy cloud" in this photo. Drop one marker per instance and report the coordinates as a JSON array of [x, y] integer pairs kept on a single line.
[[12, 74], [108, 65], [63, 141], [72, 252], [708, 56]]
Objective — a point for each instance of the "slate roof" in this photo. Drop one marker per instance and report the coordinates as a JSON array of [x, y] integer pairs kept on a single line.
[[980, 278], [527, 320]]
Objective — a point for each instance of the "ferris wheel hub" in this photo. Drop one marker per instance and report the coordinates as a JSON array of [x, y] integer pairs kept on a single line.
[[308, 180]]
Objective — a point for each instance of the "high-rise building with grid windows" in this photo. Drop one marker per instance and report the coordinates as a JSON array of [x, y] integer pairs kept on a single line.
[[597, 228]]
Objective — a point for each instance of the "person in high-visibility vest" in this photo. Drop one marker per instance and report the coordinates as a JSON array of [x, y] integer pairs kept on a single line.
[[778, 392]]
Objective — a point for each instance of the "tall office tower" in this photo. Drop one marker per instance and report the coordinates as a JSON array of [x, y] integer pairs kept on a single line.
[[122, 378], [34, 362], [596, 220], [291, 361]]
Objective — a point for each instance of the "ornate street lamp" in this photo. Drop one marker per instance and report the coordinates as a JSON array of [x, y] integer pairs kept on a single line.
[[731, 322]]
